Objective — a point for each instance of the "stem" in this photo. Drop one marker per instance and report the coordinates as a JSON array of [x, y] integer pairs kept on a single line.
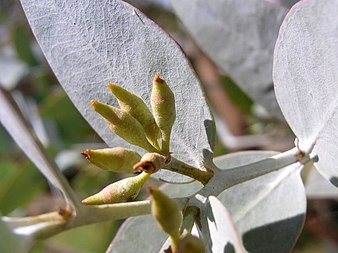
[[224, 179], [190, 171], [45, 225]]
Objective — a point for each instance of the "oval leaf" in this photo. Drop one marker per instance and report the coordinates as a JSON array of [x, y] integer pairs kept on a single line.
[[223, 234], [89, 44], [239, 35], [268, 211], [318, 187], [305, 76]]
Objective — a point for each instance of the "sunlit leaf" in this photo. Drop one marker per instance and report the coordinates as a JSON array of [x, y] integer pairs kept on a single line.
[[305, 76], [318, 187], [223, 234], [239, 35], [89, 44], [269, 210]]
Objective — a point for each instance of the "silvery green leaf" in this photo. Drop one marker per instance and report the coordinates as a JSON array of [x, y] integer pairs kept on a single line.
[[89, 44], [269, 210], [239, 35], [13, 121], [305, 76], [223, 234], [141, 234], [317, 187]]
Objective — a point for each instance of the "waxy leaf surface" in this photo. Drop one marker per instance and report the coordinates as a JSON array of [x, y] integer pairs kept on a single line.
[[305, 77], [223, 234], [239, 35], [89, 44], [268, 211]]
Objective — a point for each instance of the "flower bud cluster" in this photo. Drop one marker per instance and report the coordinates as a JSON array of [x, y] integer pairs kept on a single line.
[[136, 124]]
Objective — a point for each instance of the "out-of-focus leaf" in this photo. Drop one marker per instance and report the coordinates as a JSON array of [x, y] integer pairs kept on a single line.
[[223, 234], [23, 47], [72, 128], [286, 3], [143, 234], [16, 185], [269, 210], [305, 76], [12, 119], [10, 242], [318, 188], [92, 238], [236, 95], [239, 35], [89, 44], [11, 71]]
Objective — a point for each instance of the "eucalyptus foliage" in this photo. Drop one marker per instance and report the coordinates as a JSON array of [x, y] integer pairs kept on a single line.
[[252, 201]]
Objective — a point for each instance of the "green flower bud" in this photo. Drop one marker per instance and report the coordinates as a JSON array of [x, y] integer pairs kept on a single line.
[[167, 213], [191, 244], [163, 105], [123, 124], [151, 162], [136, 107], [117, 159], [121, 191]]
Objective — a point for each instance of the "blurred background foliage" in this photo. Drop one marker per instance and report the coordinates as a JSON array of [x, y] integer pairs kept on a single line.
[[59, 126]]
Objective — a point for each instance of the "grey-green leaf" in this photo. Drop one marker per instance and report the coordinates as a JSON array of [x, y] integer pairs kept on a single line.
[[268, 211], [223, 234], [239, 35], [89, 44], [305, 77]]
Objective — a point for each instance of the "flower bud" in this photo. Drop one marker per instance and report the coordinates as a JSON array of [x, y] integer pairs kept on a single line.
[[151, 163], [121, 191], [123, 124], [137, 108], [163, 105], [167, 212], [117, 159], [191, 244]]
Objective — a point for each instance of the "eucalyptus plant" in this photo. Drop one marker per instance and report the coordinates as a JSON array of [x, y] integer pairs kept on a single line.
[[155, 119]]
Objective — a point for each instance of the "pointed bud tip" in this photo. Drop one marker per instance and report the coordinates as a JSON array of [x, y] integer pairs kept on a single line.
[[112, 86], [151, 189], [86, 201], [86, 154], [93, 102], [158, 79]]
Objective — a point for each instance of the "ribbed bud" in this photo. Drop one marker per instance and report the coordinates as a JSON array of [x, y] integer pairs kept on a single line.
[[163, 105], [191, 244], [123, 124], [121, 191], [136, 107], [117, 159], [151, 163], [167, 212]]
